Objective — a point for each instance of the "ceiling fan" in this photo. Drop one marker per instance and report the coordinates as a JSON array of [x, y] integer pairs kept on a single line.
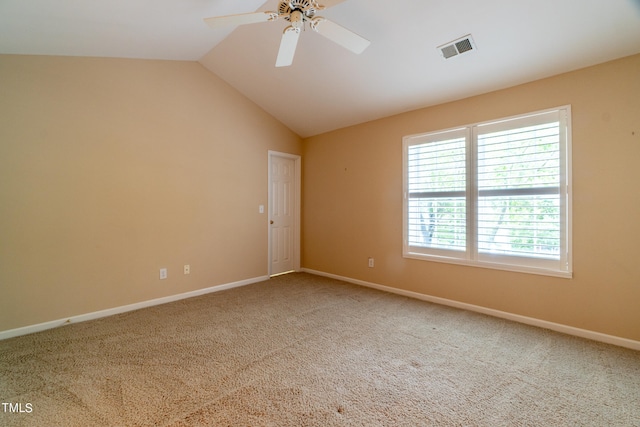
[[298, 13]]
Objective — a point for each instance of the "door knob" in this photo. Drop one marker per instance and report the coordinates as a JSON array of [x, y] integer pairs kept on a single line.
[[271, 222]]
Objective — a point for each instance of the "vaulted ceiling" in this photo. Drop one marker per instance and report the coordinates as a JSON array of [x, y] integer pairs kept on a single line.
[[329, 87]]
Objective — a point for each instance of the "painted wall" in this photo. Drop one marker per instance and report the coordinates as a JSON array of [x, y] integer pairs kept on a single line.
[[111, 169], [353, 203]]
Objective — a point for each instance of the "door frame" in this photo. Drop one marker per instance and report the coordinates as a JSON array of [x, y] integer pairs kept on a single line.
[[296, 206]]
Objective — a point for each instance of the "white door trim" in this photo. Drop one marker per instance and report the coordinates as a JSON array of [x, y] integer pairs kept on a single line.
[[297, 206]]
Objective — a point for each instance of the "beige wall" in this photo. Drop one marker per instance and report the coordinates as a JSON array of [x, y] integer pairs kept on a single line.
[[111, 169], [353, 205]]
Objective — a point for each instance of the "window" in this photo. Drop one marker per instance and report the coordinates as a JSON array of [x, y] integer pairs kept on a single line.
[[493, 194]]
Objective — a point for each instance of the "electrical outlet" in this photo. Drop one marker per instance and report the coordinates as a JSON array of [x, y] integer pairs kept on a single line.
[[187, 269], [370, 262], [163, 273]]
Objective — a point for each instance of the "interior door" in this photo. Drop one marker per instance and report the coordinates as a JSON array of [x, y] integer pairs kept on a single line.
[[284, 221]]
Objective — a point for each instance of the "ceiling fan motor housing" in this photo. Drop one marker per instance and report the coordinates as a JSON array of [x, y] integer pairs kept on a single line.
[[307, 8]]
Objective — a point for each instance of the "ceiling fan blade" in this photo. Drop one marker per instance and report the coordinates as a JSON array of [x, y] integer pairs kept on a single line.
[[243, 18], [340, 35], [288, 46]]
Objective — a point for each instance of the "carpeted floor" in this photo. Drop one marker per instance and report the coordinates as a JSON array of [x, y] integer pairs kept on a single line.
[[302, 350]]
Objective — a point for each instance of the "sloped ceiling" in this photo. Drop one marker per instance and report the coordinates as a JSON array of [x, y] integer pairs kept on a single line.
[[328, 87]]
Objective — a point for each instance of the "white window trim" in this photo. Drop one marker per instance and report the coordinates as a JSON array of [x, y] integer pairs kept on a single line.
[[559, 268]]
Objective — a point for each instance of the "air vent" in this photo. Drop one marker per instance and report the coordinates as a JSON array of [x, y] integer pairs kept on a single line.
[[457, 47]]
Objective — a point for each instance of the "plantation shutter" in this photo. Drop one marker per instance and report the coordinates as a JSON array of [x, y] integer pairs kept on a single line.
[[493, 194], [437, 192], [518, 182]]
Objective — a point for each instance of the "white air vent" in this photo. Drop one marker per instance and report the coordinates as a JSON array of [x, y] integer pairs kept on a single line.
[[457, 47]]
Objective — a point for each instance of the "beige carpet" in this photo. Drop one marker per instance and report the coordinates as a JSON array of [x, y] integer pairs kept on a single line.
[[301, 350]]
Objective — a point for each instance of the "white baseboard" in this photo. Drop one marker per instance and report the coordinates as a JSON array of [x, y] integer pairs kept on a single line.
[[569, 330], [125, 308]]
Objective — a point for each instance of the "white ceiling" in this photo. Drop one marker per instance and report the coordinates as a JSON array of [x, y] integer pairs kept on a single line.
[[328, 87]]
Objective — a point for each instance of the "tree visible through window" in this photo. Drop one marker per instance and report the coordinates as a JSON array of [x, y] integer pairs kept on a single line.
[[491, 194]]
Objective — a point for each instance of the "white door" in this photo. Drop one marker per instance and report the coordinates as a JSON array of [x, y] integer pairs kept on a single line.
[[284, 213]]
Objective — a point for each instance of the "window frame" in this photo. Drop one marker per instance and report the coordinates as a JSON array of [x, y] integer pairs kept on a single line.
[[472, 255]]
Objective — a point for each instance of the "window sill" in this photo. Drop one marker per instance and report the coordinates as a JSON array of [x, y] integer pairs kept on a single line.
[[490, 265]]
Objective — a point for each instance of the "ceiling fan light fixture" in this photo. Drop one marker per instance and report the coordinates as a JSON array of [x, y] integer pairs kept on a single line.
[[297, 19]]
